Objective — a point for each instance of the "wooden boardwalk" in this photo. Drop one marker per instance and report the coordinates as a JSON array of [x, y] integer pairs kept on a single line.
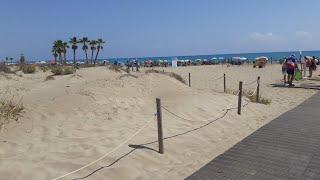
[[286, 148]]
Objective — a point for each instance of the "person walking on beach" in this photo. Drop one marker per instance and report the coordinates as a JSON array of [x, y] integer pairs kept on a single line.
[[284, 72], [291, 67]]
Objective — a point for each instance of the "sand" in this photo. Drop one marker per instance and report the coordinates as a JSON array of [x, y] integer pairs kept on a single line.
[[75, 119]]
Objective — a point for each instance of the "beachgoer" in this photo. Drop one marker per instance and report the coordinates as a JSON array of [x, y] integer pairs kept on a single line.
[[291, 67], [312, 66], [284, 72]]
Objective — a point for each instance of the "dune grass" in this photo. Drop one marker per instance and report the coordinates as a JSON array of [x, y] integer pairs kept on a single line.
[[252, 97], [115, 68], [50, 77], [171, 74], [9, 111], [5, 69]]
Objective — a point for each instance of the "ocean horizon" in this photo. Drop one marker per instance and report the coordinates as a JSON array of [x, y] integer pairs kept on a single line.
[[250, 56]]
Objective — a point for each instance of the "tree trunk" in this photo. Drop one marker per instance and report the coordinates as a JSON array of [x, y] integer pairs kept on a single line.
[[91, 56], [95, 59], [65, 58], [60, 58], [74, 57], [85, 51]]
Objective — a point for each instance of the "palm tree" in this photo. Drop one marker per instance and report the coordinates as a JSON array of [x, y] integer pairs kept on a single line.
[[74, 47], [93, 47], [58, 48], [100, 42], [85, 41], [54, 53], [7, 60], [64, 50]]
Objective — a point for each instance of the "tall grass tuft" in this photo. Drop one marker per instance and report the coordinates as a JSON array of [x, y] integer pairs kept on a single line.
[[4, 68], [171, 74], [252, 97], [9, 111], [115, 68]]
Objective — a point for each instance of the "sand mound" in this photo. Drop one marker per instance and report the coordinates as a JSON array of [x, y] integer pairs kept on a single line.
[[74, 119]]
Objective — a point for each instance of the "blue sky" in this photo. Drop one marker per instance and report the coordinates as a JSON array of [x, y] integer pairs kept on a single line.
[[139, 28]]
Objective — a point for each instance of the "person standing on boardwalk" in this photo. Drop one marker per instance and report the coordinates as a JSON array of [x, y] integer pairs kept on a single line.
[[311, 64], [291, 67]]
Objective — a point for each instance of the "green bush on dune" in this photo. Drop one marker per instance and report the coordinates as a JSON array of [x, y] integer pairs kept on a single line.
[[68, 70], [63, 70], [28, 69]]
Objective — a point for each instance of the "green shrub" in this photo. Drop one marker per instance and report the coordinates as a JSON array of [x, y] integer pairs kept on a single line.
[[58, 70], [68, 70], [63, 70], [28, 69]]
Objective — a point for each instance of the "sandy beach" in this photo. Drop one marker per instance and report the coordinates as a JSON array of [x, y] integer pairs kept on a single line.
[[75, 119]]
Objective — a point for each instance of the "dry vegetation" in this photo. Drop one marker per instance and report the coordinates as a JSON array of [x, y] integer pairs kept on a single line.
[[251, 96], [9, 111], [4, 68], [115, 68], [171, 74]]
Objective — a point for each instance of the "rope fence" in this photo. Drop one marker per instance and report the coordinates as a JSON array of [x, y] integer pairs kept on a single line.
[[222, 113], [106, 154]]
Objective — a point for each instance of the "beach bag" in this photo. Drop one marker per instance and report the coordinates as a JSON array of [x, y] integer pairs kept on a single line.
[[297, 75]]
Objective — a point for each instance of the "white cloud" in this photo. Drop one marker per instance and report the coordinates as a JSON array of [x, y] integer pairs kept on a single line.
[[303, 34], [263, 36]]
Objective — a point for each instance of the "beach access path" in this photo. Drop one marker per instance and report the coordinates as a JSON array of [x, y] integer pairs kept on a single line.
[[286, 148]]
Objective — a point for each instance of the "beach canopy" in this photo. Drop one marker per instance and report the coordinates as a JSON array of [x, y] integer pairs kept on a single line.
[[221, 58], [214, 58], [262, 58], [239, 58], [309, 57]]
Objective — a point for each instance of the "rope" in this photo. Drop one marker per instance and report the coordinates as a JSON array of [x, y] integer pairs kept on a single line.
[[222, 112], [216, 79], [254, 92], [105, 155], [247, 84]]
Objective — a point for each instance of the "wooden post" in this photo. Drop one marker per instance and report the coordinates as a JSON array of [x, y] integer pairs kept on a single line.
[[258, 89], [224, 83], [240, 97], [189, 80], [159, 119]]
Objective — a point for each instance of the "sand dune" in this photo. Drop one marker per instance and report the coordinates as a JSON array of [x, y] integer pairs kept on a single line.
[[74, 119]]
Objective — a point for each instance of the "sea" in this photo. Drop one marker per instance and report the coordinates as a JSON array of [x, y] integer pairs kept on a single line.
[[275, 56], [218, 57]]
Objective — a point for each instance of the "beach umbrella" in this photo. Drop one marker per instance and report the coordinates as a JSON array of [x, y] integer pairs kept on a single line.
[[221, 58], [262, 58], [243, 59], [309, 57], [214, 58]]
